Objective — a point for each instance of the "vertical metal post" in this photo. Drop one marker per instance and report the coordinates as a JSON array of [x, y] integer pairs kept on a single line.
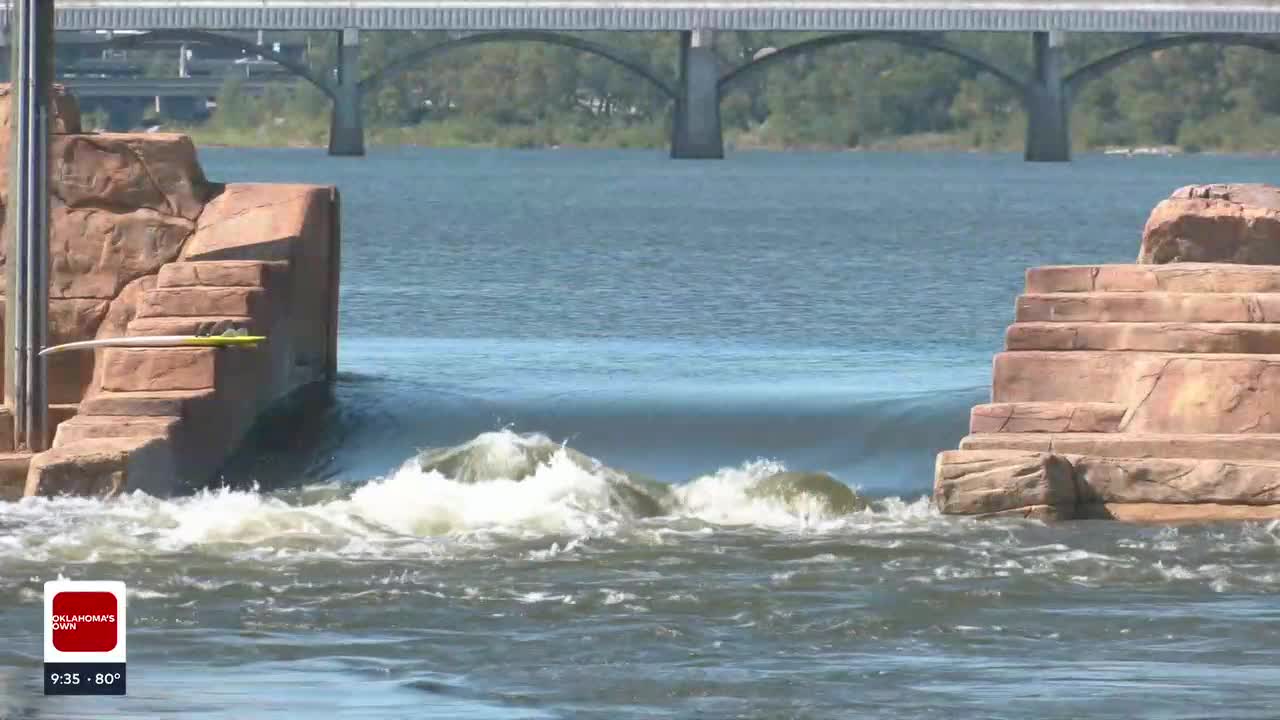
[[27, 302]]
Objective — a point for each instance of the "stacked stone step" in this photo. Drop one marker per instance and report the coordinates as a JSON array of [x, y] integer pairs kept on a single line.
[[1130, 391], [150, 397], [14, 464]]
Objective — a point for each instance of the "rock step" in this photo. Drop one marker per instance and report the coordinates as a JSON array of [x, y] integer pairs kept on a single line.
[[1149, 307], [986, 482], [202, 301], [1204, 446], [218, 273], [1173, 277], [194, 325], [1103, 480], [171, 403], [1062, 486], [1167, 513], [98, 427], [144, 370], [1040, 417], [1126, 376], [1053, 376], [1262, 338], [13, 475], [105, 467], [235, 372]]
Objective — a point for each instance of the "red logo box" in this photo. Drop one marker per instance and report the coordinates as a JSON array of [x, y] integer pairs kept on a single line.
[[84, 621]]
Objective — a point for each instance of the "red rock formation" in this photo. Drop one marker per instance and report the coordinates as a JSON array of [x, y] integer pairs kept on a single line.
[[1140, 392], [1215, 223], [143, 244]]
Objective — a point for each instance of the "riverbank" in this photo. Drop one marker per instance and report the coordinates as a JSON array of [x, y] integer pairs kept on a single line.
[[460, 134]]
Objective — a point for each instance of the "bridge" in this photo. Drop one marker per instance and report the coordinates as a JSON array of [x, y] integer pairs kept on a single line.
[[702, 78]]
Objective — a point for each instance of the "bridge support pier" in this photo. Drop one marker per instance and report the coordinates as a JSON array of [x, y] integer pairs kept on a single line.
[[695, 127], [346, 125], [1048, 106]]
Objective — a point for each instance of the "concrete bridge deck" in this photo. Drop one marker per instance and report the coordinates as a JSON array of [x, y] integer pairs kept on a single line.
[[1145, 16]]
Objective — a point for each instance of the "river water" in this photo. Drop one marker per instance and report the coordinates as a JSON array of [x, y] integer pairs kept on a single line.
[[704, 324]]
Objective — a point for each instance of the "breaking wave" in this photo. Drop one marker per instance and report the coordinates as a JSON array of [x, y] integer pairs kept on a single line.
[[498, 486]]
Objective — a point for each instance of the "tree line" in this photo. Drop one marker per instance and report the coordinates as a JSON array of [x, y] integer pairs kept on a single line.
[[865, 94]]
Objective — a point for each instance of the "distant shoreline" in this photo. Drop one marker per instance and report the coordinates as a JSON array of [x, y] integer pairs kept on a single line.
[[516, 139]]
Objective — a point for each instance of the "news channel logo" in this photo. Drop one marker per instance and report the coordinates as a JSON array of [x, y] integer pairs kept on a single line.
[[84, 637]]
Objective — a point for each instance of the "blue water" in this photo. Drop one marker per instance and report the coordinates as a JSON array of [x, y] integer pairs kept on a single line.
[[702, 323]]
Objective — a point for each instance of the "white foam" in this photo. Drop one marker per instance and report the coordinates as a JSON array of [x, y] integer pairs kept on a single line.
[[412, 512], [724, 498]]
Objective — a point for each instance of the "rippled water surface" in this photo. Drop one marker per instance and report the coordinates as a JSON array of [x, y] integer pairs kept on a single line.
[[667, 336]]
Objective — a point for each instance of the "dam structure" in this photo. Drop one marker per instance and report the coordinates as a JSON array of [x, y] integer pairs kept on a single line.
[[703, 77]]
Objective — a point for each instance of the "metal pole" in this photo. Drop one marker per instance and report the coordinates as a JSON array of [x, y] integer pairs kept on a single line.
[[38, 287], [26, 314]]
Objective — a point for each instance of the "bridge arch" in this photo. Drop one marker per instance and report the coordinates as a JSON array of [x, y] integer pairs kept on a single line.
[[1077, 78], [234, 43], [914, 40], [416, 57]]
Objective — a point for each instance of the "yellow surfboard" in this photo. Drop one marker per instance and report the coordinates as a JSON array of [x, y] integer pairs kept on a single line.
[[160, 341]]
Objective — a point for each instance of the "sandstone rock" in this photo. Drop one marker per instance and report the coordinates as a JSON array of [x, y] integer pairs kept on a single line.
[[126, 172], [103, 468], [1176, 277], [202, 302], [1044, 513], [1175, 480], [1261, 338], [97, 253], [1215, 223], [224, 273], [71, 319], [125, 208], [161, 403], [98, 427], [1157, 382], [258, 222], [196, 325], [1236, 447], [128, 370], [1045, 376], [1164, 514], [1253, 194], [1208, 394], [1046, 417], [124, 308], [981, 482], [1150, 307]]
